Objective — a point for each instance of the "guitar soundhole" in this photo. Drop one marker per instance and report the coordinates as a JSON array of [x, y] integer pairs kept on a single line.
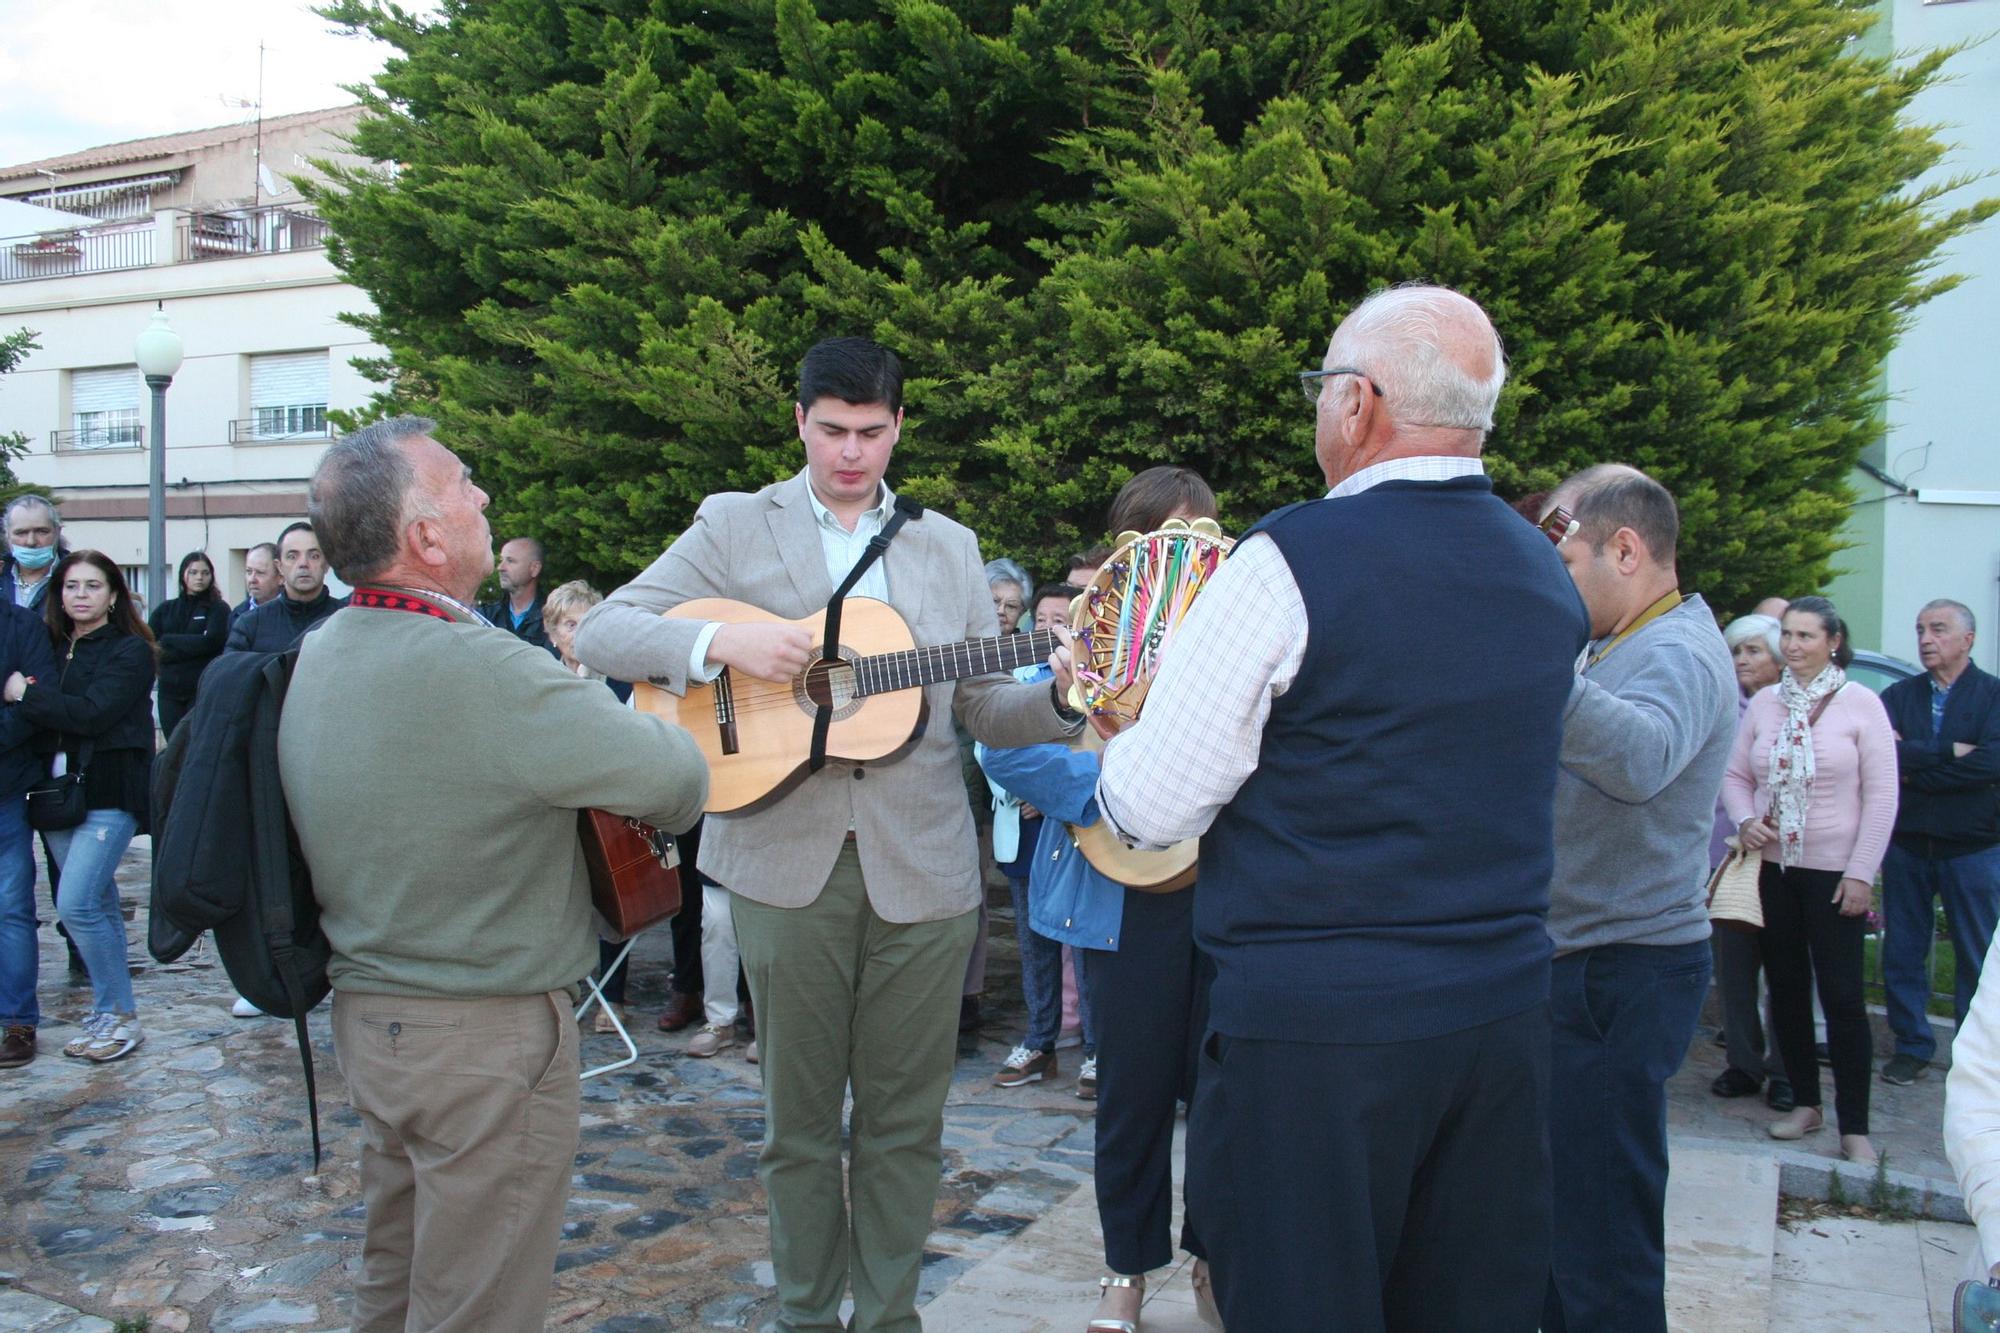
[[829, 684]]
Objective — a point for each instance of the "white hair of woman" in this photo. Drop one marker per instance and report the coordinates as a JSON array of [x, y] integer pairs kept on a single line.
[[1744, 628]]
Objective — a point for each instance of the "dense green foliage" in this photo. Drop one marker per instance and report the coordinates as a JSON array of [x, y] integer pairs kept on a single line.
[[1105, 233], [14, 348]]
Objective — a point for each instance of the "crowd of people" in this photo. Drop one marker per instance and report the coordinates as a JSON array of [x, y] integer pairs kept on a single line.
[[1448, 942]]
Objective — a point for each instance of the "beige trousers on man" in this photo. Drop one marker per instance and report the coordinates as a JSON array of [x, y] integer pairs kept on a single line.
[[469, 1131]]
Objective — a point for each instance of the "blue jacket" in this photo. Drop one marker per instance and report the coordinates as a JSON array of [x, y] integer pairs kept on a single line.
[[24, 647], [1949, 806], [1068, 900]]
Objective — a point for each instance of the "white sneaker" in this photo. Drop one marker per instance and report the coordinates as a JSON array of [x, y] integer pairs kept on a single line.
[[92, 1027], [118, 1038], [244, 1009], [1086, 1080]]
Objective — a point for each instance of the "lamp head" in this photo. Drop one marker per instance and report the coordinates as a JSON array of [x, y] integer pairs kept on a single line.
[[158, 349]]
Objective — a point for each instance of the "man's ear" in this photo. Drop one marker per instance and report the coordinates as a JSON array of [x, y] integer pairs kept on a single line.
[[426, 542], [1628, 551]]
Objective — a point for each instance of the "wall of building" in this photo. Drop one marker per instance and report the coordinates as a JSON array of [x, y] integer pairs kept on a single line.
[[222, 496], [1943, 394]]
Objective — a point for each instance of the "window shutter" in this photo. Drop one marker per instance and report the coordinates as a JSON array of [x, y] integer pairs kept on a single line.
[[104, 407], [288, 394]]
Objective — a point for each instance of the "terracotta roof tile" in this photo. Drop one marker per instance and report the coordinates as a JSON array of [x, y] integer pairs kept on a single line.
[[166, 145]]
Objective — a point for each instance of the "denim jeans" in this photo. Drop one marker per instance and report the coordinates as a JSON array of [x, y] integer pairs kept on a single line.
[[1970, 887], [19, 949], [1042, 981], [1623, 1015], [88, 903]]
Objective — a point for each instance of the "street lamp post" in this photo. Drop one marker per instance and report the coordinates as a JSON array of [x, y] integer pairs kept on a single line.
[[158, 352]]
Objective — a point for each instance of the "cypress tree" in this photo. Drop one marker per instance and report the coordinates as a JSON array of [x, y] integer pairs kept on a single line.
[[1104, 234]]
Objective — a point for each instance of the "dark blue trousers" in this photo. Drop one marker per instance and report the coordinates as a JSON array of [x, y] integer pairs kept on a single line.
[[1401, 1185], [1149, 1003], [1623, 1015], [1970, 888]]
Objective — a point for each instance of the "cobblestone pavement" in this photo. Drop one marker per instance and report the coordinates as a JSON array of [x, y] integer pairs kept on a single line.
[[177, 1183]]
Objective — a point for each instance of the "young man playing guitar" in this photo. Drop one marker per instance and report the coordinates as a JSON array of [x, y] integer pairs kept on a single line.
[[855, 888]]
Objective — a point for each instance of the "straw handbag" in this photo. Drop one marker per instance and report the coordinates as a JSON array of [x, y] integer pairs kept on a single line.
[[1733, 900]]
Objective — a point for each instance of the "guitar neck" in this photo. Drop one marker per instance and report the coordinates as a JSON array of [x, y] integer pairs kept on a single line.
[[887, 672]]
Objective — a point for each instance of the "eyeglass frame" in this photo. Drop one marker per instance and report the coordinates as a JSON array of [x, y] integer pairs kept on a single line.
[[1312, 381]]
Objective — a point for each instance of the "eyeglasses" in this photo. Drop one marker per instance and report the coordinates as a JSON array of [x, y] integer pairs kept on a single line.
[[1310, 381]]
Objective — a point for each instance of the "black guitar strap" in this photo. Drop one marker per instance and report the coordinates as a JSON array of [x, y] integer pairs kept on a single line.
[[906, 509]]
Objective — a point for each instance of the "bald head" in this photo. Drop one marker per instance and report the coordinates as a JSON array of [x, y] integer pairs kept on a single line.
[[1431, 351], [1413, 371]]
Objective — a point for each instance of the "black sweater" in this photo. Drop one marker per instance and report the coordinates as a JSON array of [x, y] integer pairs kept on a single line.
[[191, 632], [103, 697]]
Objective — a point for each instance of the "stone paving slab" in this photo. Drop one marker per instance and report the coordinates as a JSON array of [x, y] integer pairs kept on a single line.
[[178, 1182], [1836, 1274], [21, 1312]]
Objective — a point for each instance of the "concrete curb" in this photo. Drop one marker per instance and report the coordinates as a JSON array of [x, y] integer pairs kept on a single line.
[[1804, 1175]]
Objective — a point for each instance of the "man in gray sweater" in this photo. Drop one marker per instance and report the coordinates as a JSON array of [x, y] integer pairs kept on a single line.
[[445, 857], [1645, 739]]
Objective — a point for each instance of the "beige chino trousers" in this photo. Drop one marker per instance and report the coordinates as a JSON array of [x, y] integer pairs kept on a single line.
[[469, 1131]]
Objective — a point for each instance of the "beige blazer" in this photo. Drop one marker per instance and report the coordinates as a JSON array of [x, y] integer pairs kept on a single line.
[[911, 818]]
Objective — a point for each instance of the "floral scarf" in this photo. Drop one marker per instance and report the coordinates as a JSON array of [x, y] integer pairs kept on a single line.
[[1791, 771]]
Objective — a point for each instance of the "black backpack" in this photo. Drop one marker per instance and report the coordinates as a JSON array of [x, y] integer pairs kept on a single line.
[[225, 855]]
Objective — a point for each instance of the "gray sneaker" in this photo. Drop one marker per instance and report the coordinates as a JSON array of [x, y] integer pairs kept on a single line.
[[118, 1038], [92, 1027], [711, 1039], [1903, 1070]]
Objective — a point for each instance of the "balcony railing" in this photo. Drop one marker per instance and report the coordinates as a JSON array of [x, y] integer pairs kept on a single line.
[[87, 250], [271, 429], [141, 243], [97, 438], [235, 234]]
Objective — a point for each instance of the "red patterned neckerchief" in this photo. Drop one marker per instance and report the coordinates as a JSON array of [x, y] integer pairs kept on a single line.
[[398, 599]]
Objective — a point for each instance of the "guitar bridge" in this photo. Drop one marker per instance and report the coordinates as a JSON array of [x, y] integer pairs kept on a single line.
[[725, 712]]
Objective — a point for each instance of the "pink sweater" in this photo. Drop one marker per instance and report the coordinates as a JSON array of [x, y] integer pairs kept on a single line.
[[1853, 808]]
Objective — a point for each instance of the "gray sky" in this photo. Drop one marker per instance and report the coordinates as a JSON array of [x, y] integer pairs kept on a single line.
[[75, 74]]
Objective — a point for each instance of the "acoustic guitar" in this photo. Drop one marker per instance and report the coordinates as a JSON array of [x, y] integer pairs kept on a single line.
[[757, 735]]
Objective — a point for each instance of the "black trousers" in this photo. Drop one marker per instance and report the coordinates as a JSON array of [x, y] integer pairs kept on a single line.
[[1403, 1185], [1806, 939], [172, 710], [1149, 1004]]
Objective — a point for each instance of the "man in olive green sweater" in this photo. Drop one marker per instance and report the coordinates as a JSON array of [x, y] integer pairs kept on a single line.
[[445, 858]]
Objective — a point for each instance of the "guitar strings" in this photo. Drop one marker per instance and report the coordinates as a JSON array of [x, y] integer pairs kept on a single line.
[[756, 696]]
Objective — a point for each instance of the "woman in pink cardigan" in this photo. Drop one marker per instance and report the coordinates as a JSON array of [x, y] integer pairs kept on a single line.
[[1812, 786]]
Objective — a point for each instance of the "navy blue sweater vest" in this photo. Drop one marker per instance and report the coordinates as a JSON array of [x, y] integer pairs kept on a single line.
[[1384, 874]]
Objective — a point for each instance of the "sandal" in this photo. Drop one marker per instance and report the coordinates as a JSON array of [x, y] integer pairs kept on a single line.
[[1117, 1325]]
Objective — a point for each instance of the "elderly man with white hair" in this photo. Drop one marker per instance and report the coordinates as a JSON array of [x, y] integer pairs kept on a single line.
[[1367, 1142]]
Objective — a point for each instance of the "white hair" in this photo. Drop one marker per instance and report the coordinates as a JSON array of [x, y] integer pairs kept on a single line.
[[1744, 628], [1396, 338]]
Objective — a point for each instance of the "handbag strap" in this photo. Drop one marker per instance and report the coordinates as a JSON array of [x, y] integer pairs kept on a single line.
[[906, 509]]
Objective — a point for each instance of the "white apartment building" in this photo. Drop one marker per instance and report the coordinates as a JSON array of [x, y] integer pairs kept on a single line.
[[208, 227]]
